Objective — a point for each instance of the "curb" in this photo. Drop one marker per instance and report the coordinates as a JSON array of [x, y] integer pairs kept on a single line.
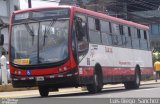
[[9, 87]]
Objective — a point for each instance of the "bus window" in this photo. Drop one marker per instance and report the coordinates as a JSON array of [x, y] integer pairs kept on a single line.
[[79, 29], [125, 30], [1, 39], [129, 31], [94, 35], [81, 34], [145, 35], [143, 40], [97, 24], [132, 32], [126, 37], [105, 32], [138, 33], [110, 28], [121, 30], [115, 29], [105, 27]]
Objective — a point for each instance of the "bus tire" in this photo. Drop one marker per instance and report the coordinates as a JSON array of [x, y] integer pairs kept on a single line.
[[97, 84], [43, 91], [134, 84]]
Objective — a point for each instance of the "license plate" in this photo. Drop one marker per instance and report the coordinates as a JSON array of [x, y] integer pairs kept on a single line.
[[39, 78]]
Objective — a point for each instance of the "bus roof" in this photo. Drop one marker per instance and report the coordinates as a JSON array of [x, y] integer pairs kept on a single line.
[[110, 18], [92, 13]]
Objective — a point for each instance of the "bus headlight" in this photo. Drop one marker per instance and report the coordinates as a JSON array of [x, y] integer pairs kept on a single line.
[[19, 72], [60, 69], [65, 68], [15, 72]]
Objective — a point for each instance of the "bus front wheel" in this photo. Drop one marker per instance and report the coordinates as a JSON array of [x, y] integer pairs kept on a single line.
[[97, 84], [43, 91]]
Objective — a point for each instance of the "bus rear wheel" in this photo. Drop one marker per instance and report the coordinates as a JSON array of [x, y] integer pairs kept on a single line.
[[134, 84], [43, 91], [97, 84]]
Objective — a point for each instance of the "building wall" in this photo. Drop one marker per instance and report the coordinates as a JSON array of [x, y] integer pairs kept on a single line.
[[37, 3], [6, 9], [3, 8], [155, 35]]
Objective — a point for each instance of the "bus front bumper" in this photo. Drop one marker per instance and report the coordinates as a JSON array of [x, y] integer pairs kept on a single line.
[[58, 81]]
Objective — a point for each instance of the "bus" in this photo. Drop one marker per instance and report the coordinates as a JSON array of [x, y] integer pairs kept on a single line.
[[68, 46]]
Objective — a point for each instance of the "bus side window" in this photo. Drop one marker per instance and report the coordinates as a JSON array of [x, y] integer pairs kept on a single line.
[[81, 34], [79, 29], [106, 32], [94, 30], [143, 40], [1, 39], [97, 24], [135, 39]]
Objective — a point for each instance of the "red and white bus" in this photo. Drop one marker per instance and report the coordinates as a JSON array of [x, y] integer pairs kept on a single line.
[[67, 46]]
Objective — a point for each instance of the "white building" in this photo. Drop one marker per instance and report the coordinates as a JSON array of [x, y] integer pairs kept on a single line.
[[6, 8]]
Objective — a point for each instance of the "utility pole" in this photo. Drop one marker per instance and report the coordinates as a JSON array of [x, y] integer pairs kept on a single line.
[[29, 4]]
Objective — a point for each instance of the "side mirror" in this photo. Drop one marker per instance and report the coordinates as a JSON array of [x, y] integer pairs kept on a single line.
[[1, 39]]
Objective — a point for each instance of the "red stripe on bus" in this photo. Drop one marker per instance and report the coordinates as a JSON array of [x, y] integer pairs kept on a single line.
[[86, 71], [111, 71], [147, 71], [108, 71]]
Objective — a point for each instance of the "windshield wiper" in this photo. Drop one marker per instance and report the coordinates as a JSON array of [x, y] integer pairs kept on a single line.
[[30, 31], [29, 28], [48, 29]]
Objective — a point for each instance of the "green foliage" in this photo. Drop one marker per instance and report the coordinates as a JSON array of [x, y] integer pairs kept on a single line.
[[156, 56]]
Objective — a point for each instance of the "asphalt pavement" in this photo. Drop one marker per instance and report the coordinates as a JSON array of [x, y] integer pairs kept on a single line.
[[148, 93], [25, 93]]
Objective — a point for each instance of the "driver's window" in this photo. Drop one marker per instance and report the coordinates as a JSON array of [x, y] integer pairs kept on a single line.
[[81, 33]]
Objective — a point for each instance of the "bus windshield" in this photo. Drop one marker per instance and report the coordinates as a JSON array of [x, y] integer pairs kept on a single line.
[[39, 42]]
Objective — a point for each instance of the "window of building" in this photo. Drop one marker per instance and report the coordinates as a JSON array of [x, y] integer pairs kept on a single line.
[[155, 29]]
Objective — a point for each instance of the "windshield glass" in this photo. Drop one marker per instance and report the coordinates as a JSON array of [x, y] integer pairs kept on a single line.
[[39, 42]]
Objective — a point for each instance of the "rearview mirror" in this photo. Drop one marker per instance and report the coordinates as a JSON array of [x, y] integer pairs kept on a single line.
[[1, 39]]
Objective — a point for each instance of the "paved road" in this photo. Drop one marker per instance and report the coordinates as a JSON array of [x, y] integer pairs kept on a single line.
[[79, 97]]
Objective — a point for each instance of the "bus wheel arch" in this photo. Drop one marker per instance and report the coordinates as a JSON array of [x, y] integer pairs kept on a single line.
[[136, 81], [97, 84]]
